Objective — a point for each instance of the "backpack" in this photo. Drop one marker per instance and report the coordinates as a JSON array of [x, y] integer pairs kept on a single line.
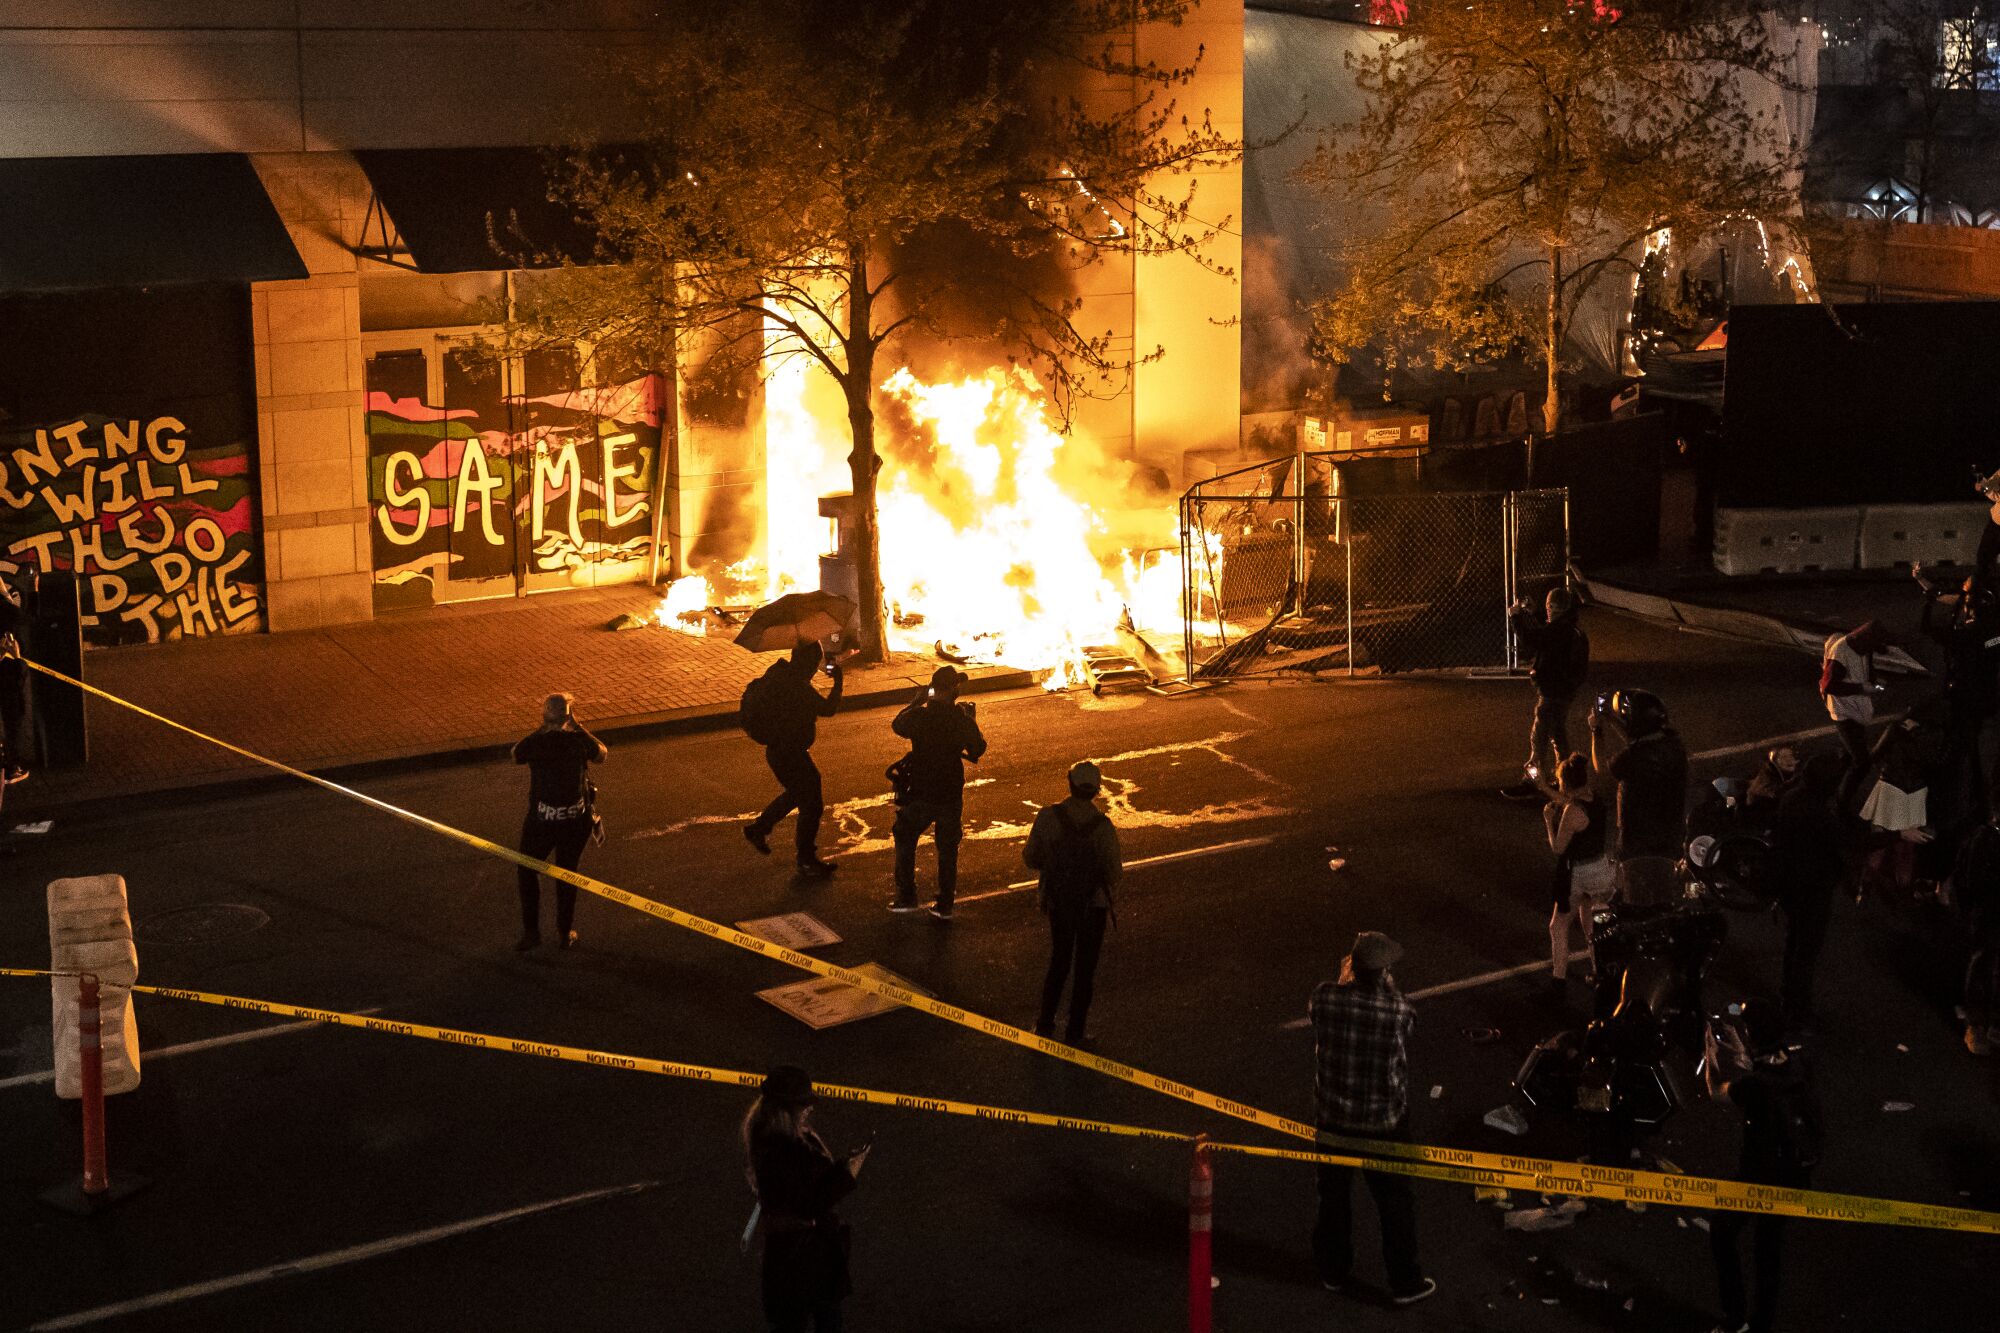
[[1070, 872], [758, 711]]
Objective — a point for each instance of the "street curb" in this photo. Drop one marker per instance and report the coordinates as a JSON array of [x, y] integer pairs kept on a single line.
[[697, 720]]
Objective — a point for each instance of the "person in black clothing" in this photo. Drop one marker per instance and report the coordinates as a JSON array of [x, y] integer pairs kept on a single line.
[[943, 733], [797, 1182], [1772, 1089], [1075, 848], [1560, 661], [1975, 896], [1575, 821], [1651, 774], [795, 710], [1971, 641], [13, 688], [1807, 838], [558, 755]]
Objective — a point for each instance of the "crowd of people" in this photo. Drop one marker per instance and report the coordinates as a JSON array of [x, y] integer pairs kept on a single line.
[[1900, 812]]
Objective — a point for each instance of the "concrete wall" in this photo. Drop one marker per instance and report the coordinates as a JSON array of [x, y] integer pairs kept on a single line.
[[1881, 261], [312, 440], [82, 77]]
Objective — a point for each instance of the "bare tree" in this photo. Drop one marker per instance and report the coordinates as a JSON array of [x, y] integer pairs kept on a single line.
[[1940, 54], [1516, 153], [824, 178]]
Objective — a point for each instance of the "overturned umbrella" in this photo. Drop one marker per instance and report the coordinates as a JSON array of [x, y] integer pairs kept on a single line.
[[795, 618]]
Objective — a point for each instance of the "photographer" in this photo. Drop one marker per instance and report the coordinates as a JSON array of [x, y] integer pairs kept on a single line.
[[1746, 1062], [1650, 772], [560, 812], [943, 733], [1560, 659]]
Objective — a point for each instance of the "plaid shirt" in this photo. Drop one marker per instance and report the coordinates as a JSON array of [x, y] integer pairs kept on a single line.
[[1363, 1078]]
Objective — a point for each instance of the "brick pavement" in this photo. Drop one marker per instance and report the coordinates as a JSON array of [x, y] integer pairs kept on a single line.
[[451, 679]]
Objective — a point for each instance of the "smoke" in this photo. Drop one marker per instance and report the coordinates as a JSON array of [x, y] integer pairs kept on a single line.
[[1276, 368]]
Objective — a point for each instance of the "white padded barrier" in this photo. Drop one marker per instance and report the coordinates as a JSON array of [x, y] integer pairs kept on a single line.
[[1903, 535], [90, 930], [1786, 541]]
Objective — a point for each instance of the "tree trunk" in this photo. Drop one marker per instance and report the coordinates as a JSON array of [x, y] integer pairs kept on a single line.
[[1552, 357], [863, 463]]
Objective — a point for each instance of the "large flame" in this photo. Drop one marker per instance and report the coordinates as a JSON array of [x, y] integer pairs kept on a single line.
[[994, 538]]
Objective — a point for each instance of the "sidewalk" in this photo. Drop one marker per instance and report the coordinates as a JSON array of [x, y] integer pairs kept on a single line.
[[446, 681]]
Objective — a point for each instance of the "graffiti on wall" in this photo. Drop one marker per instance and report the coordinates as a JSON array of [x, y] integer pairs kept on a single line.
[[485, 495], [157, 525]]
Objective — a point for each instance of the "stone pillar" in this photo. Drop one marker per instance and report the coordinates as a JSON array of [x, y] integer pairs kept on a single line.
[[312, 441], [1191, 398]]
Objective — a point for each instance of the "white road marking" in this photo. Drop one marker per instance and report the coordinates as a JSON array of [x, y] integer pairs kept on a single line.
[[186, 1048], [331, 1259], [1162, 859], [1464, 983]]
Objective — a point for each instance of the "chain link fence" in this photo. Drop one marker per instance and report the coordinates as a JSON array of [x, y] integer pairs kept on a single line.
[[1287, 573]]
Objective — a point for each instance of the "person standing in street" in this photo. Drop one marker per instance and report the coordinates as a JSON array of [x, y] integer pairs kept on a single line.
[[1970, 638], [1361, 1090], [943, 734], [1576, 823], [1750, 1067], [798, 1181], [1651, 773], [1808, 841], [558, 754], [1848, 686], [1560, 659], [786, 723], [1075, 848]]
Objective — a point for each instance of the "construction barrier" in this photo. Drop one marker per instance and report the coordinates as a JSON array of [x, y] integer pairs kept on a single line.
[[1898, 536], [1786, 541], [1418, 1161]]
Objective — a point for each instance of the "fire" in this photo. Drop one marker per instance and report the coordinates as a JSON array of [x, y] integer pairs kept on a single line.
[[996, 543]]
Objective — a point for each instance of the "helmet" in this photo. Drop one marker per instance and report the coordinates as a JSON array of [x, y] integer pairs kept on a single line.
[[1639, 712]]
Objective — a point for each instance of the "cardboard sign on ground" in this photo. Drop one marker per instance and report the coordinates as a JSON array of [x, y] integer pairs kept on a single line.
[[793, 930], [824, 1003]]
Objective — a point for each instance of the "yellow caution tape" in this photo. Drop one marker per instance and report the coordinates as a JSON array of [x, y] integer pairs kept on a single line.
[[1474, 1167], [1523, 1173]]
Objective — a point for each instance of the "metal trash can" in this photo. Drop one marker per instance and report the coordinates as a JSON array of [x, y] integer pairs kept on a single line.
[[55, 639]]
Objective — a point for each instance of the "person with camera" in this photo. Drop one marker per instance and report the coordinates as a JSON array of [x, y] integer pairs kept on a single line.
[[781, 712], [943, 734], [1650, 773], [1559, 660], [1745, 1062], [1074, 848], [561, 812], [798, 1181]]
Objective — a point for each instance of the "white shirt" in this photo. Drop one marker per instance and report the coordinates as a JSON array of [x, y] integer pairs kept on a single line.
[[1856, 669]]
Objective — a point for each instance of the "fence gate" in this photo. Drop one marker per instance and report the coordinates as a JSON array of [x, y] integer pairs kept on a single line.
[[1285, 573]]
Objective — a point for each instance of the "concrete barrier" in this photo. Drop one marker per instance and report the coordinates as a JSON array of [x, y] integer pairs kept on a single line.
[[1786, 541], [90, 930], [1894, 536]]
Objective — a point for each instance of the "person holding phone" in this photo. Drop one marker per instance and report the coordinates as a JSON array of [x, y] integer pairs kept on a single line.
[[561, 811], [943, 734], [798, 1181]]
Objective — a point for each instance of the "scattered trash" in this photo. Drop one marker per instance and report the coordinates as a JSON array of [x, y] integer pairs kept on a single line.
[[1904, 1049], [1507, 1120], [1337, 864], [1571, 1207], [1550, 1300], [1593, 1283], [1437, 1091], [1481, 1036], [1497, 1196], [1628, 1303], [626, 621], [1681, 1222], [1538, 1219], [1662, 1164], [39, 826], [1899, 1106], [1698, 1223]]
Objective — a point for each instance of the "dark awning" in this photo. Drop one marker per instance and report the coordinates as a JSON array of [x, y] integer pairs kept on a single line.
[[440, 201], [81, 222]]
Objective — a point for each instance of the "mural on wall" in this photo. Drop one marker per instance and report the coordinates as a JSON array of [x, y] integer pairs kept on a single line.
[[485, 494], [126, 458]]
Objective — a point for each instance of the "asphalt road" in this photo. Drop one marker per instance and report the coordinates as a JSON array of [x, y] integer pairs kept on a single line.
[[289, 1148]]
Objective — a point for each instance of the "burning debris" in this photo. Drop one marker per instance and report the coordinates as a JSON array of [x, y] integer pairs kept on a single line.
[[1002, 541]]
